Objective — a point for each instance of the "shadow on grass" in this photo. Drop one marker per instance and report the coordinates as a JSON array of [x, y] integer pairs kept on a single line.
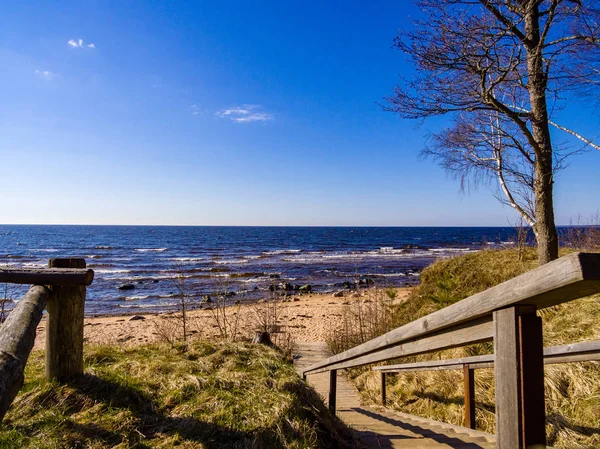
[[151, 421], [457, 400]]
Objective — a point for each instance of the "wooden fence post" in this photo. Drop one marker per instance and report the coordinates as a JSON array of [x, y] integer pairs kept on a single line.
[[519, 378], [17, 337], [383, 389], [64, 326], [332, 389], [469, 387]]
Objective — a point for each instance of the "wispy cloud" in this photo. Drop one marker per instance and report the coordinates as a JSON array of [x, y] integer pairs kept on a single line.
[[195, 109], [245, 113], [79, 44], [46, 74]]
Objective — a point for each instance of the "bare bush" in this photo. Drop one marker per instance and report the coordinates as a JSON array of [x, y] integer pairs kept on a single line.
[[225, 316], [583, 236], [364, 317], [268, 318]]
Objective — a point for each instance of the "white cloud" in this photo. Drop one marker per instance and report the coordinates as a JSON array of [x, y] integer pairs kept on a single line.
[[79, 44], [245, 113], [46, 74], [195, 109]]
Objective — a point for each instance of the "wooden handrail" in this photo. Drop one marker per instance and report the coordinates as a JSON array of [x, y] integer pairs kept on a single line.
[[61, 290], [578, 352], [570, 277], [16, 342], [506, 314], [47, 276]]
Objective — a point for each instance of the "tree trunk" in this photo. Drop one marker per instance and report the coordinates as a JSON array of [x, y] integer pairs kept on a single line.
[[547, 237]]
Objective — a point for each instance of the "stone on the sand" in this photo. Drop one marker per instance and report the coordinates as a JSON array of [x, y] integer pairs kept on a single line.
[[305, 288], [137, 318], [339, 294]]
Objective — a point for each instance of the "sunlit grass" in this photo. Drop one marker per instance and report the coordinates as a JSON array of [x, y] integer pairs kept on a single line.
[[213, 395]]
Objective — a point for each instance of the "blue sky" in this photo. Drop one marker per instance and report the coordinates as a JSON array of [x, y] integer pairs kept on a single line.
[[237, 113]]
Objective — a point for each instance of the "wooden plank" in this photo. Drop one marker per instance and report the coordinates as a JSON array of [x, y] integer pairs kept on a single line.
[[17, 336], [506, 375], [587, 347], [469, 395], [64, 328], [45, 276], [570, 277], [458, 362], [575, 352], [475, 332], [332, 390], [533, 410]]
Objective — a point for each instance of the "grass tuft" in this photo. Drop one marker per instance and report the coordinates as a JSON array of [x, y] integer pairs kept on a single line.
[[214, 395]]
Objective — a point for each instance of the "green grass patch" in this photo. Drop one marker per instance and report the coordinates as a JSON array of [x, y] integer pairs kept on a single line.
[[214, 395]]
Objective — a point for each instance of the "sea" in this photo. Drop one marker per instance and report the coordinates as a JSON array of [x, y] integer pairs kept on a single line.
[[246, 263]]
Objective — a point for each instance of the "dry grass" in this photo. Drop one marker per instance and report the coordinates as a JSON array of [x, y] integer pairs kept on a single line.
[[572, 390], [212, 395]]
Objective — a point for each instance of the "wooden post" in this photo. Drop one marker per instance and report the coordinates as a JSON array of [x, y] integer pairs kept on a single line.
[[383, 389], [469, 392], [519, 378], [17, 336], [332, 389], [64, 326]]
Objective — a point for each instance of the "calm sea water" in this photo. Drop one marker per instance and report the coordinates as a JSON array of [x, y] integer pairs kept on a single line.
[[244, 260]]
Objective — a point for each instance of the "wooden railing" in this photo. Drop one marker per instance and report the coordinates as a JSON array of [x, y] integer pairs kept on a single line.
[[60, 290], [579, 352], [505, 314]]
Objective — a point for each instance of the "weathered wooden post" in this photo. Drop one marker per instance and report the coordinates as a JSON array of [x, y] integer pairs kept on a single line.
[[332, 389], [64, 326], [519, 377], [16, 341], [469, 387], [383, 389]]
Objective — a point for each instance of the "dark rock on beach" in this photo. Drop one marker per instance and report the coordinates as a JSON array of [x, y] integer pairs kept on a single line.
[[305, 288]]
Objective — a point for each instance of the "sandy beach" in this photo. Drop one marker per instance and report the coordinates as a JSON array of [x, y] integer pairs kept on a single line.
[[309, 317]]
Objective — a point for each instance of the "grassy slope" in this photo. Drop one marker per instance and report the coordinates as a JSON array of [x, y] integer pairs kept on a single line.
[[215, 395], [572, 390]]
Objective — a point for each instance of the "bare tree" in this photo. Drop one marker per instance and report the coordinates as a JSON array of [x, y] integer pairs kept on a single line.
[[500, 67]]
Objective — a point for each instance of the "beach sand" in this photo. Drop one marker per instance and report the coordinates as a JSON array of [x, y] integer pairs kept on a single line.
[[311, 317]]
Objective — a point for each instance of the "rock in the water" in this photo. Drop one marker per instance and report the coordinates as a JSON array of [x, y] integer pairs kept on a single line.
[[206, 298], [137, 318], [305, 288], [229, 294], [339, 294], [126, 287], [274, 276]]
